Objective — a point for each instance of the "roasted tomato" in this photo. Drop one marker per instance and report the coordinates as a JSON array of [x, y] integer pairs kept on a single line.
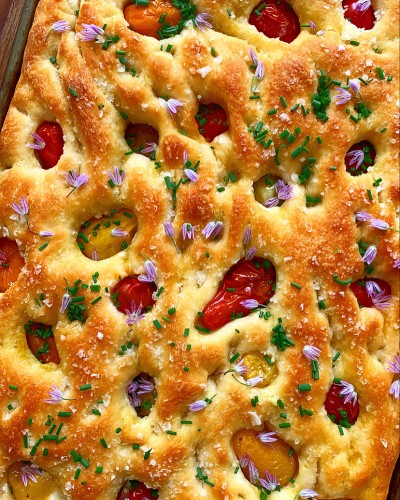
[[363, 152], [141, 137], [145, 19], [257, 366], [334, 405], [102, 237], [21, 473], [212, 121], [142, 394], [359, 289], [134, 490], [272, 457], [52, 135], [132, 292], [247, 279], [11, 263], [41, 342], [361, 18], [276, 19]]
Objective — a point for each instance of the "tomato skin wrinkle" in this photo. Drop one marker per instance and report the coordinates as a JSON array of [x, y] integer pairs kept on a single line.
[[216, 121], [334, 402], [131, 290], [365, 20], [276, 20], [139, 491], [360, 291], [52, 135], [249, 282]]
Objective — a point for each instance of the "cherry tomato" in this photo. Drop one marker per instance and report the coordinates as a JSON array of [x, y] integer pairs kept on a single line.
[[276, 20], [139, 135], [272, 457], [360, 19], [144, 19], [11, 263], [360, 290], [135, 490], [334, 402], [250, 279], [41, 342], [52, 135], [44, 487], [130, 290], [212, 121], [369, 158], [147, 400]]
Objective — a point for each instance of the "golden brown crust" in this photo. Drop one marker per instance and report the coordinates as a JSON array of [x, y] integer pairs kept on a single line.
[[306, 245]]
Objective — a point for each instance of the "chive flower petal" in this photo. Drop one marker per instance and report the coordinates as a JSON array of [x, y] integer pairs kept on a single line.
[[117, 176], [187, 231], [65, 302], [91, 32], [169, 229], [310, 352], [348, 392], [22, 208], [150, 272], [118, 233], [191, 174], [370, 254], [343, 96], [134, 315], [270, 483], [213, 229], [201, 20], [61, 26], [362, 5], [56, 396], [38, 143], [267, 437], [251, 382], [308, 494], [28, 473], [356, 158], [197, 405]]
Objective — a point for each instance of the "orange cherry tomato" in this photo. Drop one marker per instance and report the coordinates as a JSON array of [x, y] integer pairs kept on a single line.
[[44, 486], [272, 457], [360, 290], [335, 402], [362, 19], [247, 279], [11, 263], [369, 158], [135, 490], [276, 19], [212, 121], [144, 19], [52, 135], [139, 136], [41, 342], [132, 291]]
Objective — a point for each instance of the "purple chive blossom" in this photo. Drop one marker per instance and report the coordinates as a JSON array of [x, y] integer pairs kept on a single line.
[[61, 26], [213, 229], [379, 224], [134, 315], [362, 216], [172, 105], [260, 71], [133, 397], [370, 254], [91, 32], [396, 264], [28, 473], [310, 352], [362, 5], [38, 143], [372, 288], [118, 233], [65, 302], [244, 460], [394, 367], [250, 253], [198, 405], [313, 26], [169, 230], [356, 158], [283, 191], [343, 96], [191, 174], [251, 304], [46, 234], [247, 236], [150, 148], [267, 437], [22, 208], [145, 386], [251, 382], [151, 272], [354, 84], [76, 180], [308, 494], [95, 255], [56, 396], [253, 473], [201, 21], [270, 483], [380, 300], [240, 368], [348, 392], [187, 231], [117, 177]]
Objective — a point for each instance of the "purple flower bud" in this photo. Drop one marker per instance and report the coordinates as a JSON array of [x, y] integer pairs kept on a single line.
[[151, 272], [244, 460], [250, 303], [372, 287], [91, 32], [172, 105], [395, 389], [310, 352], [267, 437], [169, 229], [38, 143], [133, 396], [343, 96], [354, 84], [201, 21], [362, 5], [313, 26], [117, 177], [212, 229], [197, 405], [240, 368], [283, 191], [56, 396], [272, 202], [379, 224], [250, 253], [22, 208], [247, 236], [270, 483], [260, 71], [191, 174], [118, 233], [61, 26], [3, 258], [187, 231], [46, 234], [65, 302], [356, 158], [349, 392], [363, 216], [370, 254]]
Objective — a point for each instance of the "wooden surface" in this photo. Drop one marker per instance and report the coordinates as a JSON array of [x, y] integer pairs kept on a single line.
[[10, 13]]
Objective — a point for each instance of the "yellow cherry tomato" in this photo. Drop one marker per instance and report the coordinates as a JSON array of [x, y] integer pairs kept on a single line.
[[273, 457], [264, 188], [257, 366], [144, 19], [103, 237], [42, 489]]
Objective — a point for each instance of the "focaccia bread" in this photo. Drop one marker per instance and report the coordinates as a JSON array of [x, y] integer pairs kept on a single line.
[[199, 252]]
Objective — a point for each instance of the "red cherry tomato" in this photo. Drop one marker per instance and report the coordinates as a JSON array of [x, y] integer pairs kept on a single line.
[[360, 19], [11, 263], [52, 135], [360, 290], [41, 342], [212, 121], [130, 290], [276, 20], [369, 158], [335, 402], [134, 490], [250, 279], [138, 135]]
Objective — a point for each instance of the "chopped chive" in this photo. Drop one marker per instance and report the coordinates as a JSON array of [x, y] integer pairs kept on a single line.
[[321, 304], [355, 43], [85, 387], [45, 245], [272, 112], [304, 387], [160, 291], [73, 92], [234, 358], [296, 106], [381, 74], [77, 473], [285, 425], [369, 194], [336, 357], [96, 300], [13, 387], [280, 404], [157, 324], [171, 433], [186, 422], [341, 282], [124, 115], [283, 101], [296, 285], [64, 413], [98, 470]]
